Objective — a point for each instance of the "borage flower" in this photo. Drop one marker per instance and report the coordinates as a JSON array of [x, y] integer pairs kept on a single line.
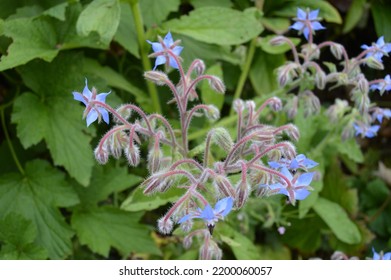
[[299, 185], [211, 215], [380, 113], [161, 49], [383, 85], [365, 130], [381, 256], [300, 161], [378, 49], [307, 22], [92, 112]]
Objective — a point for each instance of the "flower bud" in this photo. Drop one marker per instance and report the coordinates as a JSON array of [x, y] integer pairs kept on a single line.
[[199, 66], [310, 50], [212, 113], [238, 105], [223, 186], [222, 138], [124, 111], [262, 190], [186, 227], [158, 77], [320, 79], [278, 40], [242, 193], [275, 104], [101, 154], [362, 84], [289, 150], [165, 225], [374, 63], [216, 84], [132, 153], [337, 50], [187, 241]]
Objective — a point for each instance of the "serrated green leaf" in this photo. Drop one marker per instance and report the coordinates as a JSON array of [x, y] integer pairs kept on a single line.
[[326, 10], [137, 201], [262, 74], [155, 12], [105, 227], [17, 235], [57, 118], [217, 25], [106, 180], [208, 95], [101, 16], [338, 221], [242, 247], [36, 196], [126, 34]]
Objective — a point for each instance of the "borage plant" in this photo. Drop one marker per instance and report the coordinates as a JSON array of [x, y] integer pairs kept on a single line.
[[260, 161]]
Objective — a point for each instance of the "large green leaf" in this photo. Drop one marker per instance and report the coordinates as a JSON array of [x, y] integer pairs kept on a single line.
[[17, 235], [262, 73], [381, 11], [54, 115], [351, 149], [207, 3], [354, 15], [155, 12], [217, 25], [101, 16], [338, 221], [36, 196], [126, 34], [101, 228]]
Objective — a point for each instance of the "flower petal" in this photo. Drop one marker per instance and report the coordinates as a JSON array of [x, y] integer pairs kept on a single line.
[[306, 32], [301, 194], [157, 47], [317, 26], [274, 164], [304, 179], [286, 173], [105, 115], [185, 218], [313, 15], [102, 97], [92, 116], [86, 92], [77, 96], [207, 214], [168, 40], [297, 26], [301, 14]]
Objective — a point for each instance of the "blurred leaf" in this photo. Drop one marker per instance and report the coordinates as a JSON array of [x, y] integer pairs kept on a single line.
[[326, 10], [126, 34], [338, 221], [384, 173], [354, 15], [242, 247], [207, 3], [208, 95], [106, 180], [137, 201], [217, 25], [262, 72], [17, 235], [101, 16], [381, 11], [351, 149], [155, 12], [264, 43], [36, 196], [54, 114], [8, 8], [101, 228], [277, 25]]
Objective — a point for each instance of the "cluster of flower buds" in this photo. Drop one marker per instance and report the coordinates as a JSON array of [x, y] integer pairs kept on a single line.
[[258, 153], [305, 70]]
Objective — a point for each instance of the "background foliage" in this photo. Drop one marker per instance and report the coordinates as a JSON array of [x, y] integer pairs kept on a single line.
[[56, 202]]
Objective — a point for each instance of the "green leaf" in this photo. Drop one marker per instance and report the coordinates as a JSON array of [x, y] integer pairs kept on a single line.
[[326, 10], [262, 74], [207, 3], [217, 25], [101, 16], [208, 95], [264, 43], [55, 116], [138, 201], [155, 12], [351, 149], [106, 180], [18, 235], [36, 196], [354, 15], [380, 13], [277, 25], [57, 11], [242, 247], [101, 228], [338, 221], [126, 34]]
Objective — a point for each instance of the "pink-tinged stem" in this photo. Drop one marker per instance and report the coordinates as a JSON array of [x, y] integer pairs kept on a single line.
[[112, 131], [264, 152], [241, 142], [272, 171], [177, 204], [167, 125], [263, 106], [207, 147], [195, 82], [186, 161]]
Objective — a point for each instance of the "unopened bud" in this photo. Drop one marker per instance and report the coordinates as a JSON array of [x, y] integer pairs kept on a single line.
[[289, 150], [217, 85], [262, 190], [374, 63], [187, 241], [250, 105], [101, 154], [165, 225], [223, 186], [199, 66], [124, 111], [337, 50], [292, 131], [278, 40], [186, 227], [158, 77], [292, 107], [275, 104], [362, 84], [320, 79], [238, 105], [132, 153], [242, 193], [155, 156], [222, 138], [212, 113], [311, 50]]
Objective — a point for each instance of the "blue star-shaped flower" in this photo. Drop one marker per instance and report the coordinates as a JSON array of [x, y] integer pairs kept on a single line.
[[93, 112], [306, 22], [211, 215], [384, 85], [378, 49], [380, 113], [299, 185], [165, 44], [365, 130], [300, 161], [381, 256]]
